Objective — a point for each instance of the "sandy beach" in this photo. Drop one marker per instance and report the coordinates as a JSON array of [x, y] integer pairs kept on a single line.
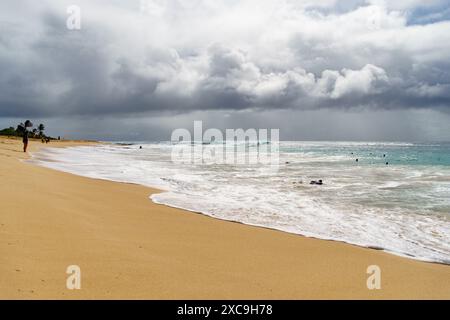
[[130, 248]]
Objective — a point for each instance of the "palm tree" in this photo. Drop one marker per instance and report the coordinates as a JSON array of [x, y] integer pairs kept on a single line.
[[22, 127], [41, 129]]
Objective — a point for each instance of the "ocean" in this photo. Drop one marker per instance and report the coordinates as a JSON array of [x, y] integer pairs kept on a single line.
[[396, 197]]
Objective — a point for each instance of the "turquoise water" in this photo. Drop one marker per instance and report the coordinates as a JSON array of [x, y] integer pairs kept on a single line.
[[414, 154]]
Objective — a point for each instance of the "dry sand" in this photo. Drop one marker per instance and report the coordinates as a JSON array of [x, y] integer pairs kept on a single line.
[[128, 247]]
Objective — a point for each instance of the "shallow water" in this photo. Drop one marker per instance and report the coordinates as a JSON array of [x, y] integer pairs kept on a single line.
[[403, 207]]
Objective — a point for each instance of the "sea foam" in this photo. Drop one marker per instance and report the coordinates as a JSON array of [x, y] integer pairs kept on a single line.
[[402, 207]]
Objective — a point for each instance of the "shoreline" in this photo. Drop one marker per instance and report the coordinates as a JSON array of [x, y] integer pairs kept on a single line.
[[375, 248], [158, 190], [245, 262]]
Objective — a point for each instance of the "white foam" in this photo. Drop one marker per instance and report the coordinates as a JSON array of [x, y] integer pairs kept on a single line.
[[371, 206]]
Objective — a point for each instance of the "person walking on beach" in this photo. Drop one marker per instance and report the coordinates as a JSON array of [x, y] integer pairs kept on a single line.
[[25, 140], [27, 124]]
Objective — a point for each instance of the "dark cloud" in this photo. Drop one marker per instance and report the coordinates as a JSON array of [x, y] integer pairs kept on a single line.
[[124, 64]]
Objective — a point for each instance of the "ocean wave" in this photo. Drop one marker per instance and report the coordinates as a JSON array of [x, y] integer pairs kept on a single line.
[[400, 208]]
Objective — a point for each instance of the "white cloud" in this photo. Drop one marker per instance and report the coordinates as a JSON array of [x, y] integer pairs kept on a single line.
[[219, 54], [365, 81]]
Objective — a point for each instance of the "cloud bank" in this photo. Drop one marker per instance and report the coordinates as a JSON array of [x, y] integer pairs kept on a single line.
[[180, 56]]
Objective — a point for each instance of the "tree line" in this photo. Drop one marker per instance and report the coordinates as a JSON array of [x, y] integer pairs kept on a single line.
[[27, 127]]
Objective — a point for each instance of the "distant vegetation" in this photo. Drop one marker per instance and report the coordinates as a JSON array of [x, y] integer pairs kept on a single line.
[[9, 132], [33, 133]]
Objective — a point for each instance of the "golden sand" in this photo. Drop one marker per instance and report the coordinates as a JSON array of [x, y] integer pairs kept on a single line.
[[128, 247]]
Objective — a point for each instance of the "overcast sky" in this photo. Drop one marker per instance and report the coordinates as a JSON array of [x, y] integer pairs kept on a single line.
[[136, 70]]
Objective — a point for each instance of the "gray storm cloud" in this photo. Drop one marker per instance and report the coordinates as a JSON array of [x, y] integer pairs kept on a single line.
[[179, 56]]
